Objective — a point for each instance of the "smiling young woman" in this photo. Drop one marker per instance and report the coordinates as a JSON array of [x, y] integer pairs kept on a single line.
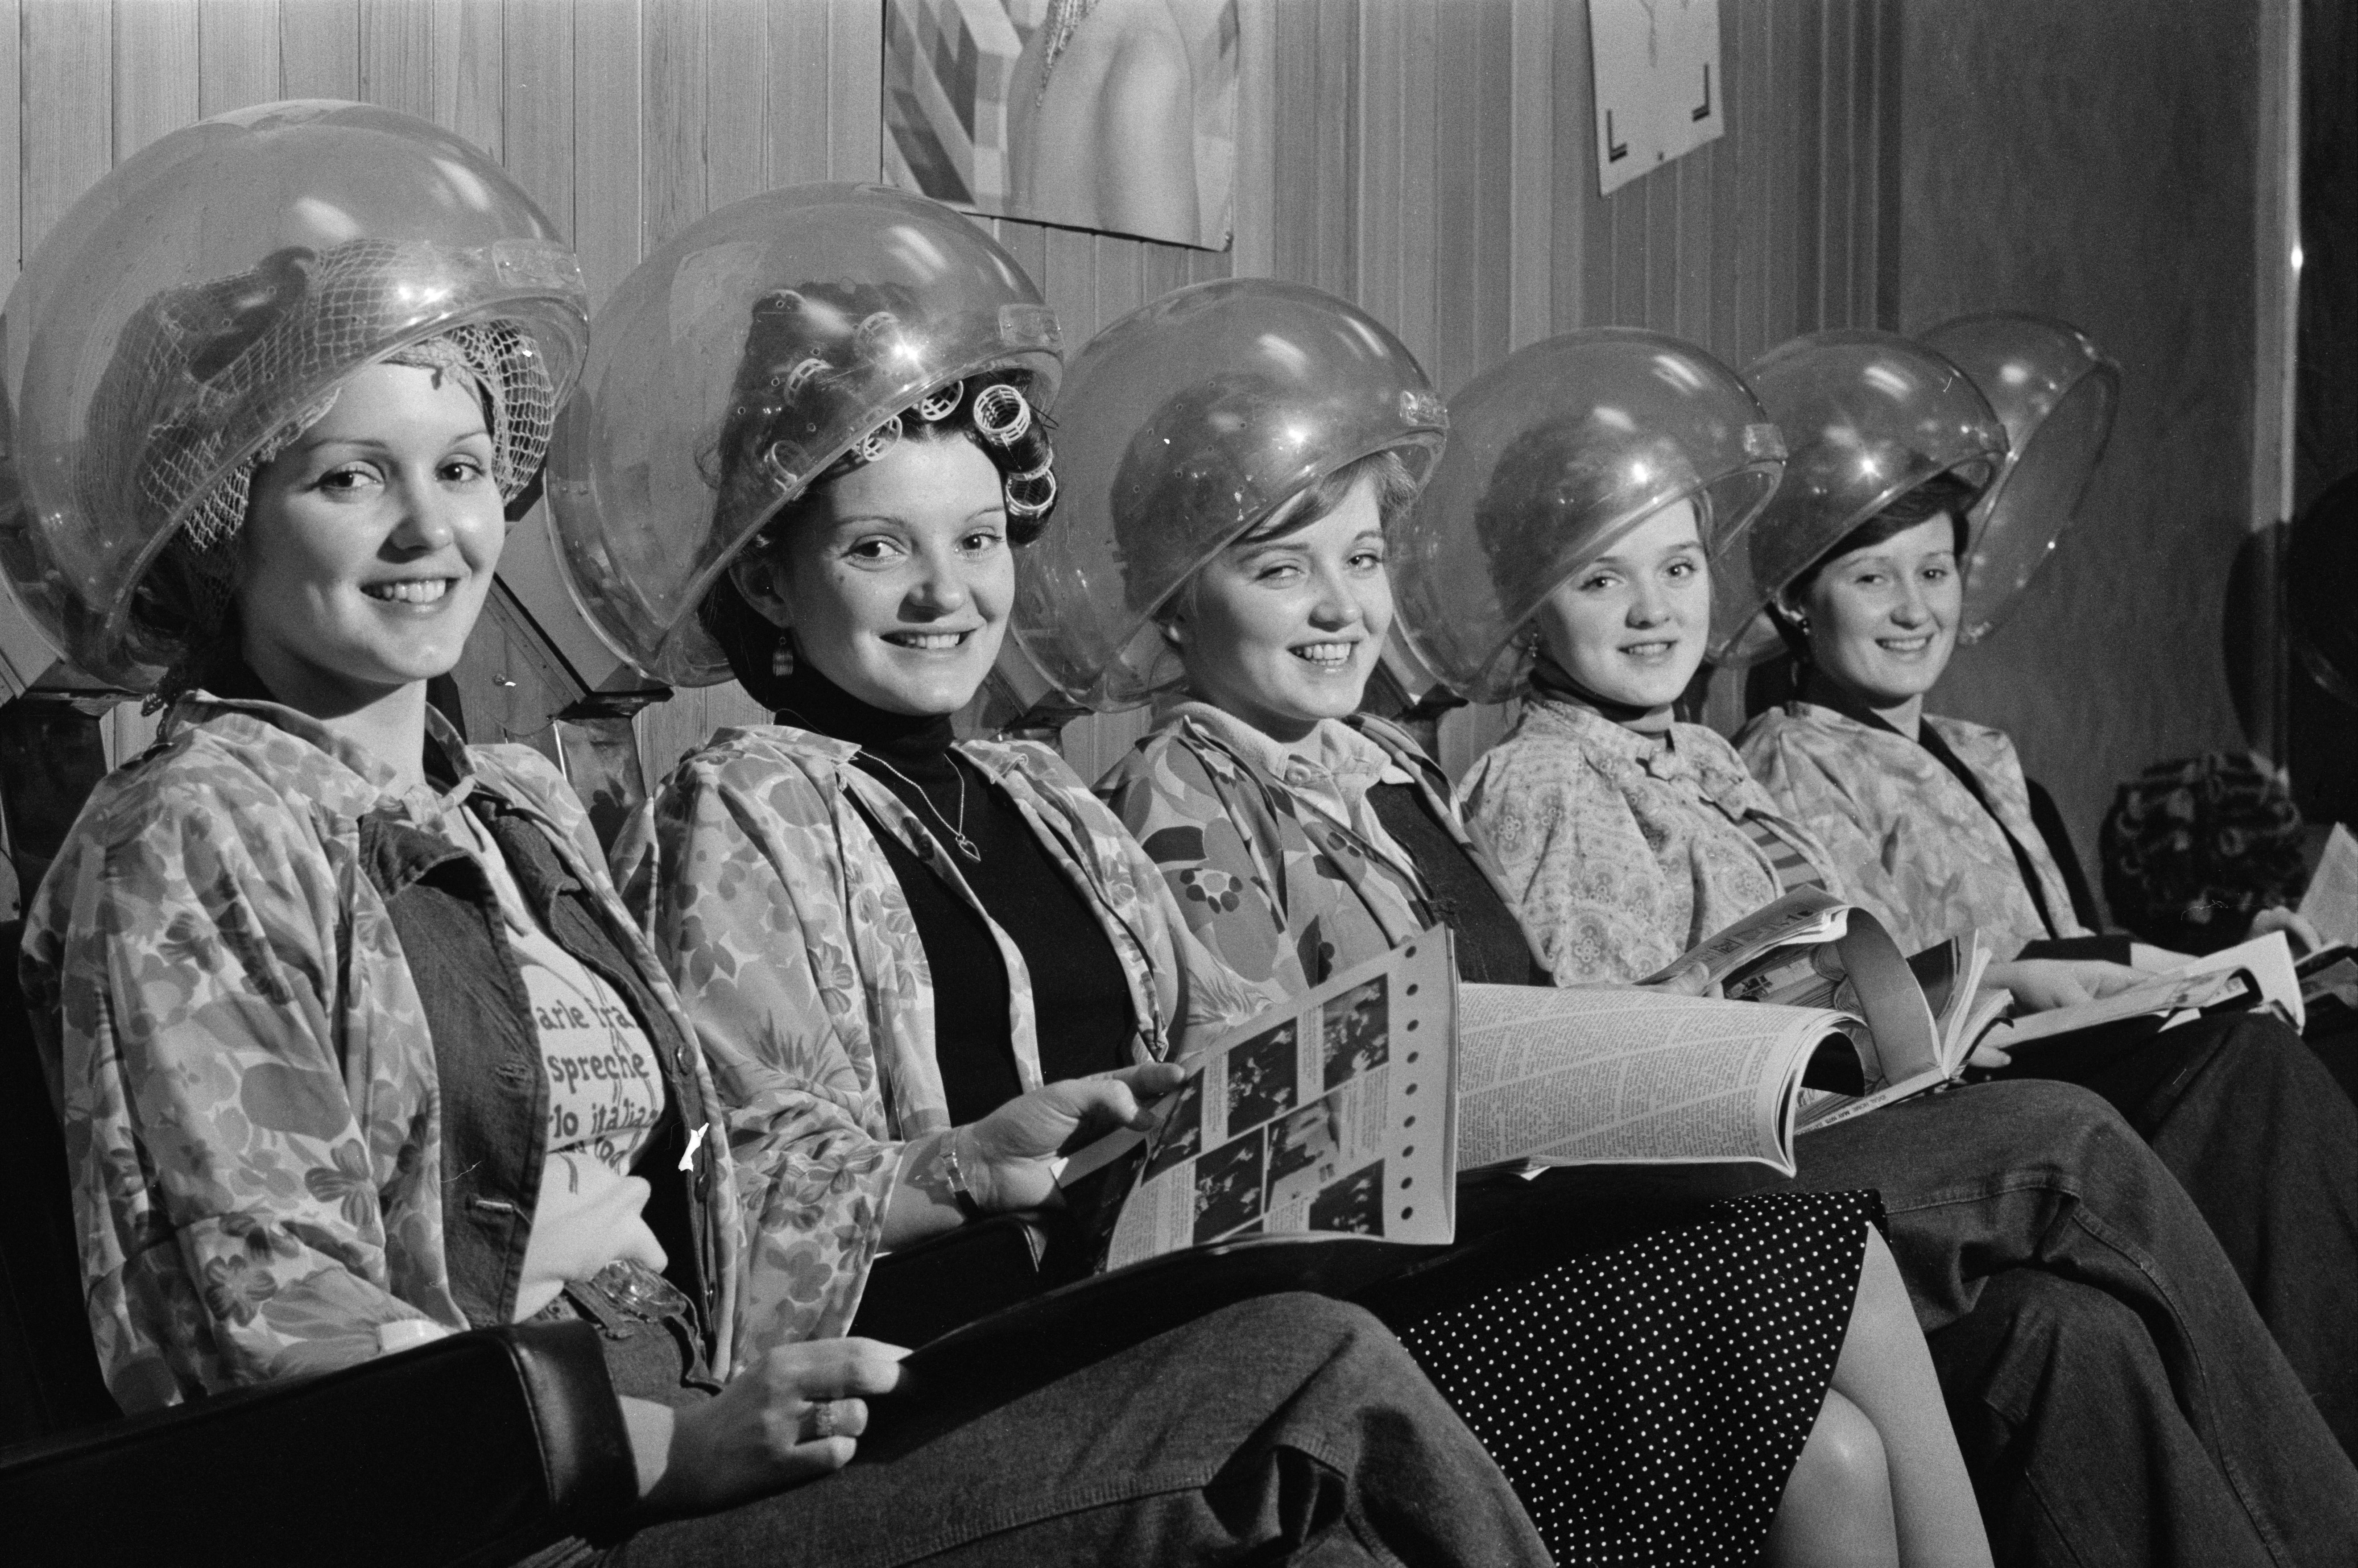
[[369, 547]]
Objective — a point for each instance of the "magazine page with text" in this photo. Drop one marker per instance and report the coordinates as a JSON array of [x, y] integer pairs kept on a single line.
[[1616, 1076]]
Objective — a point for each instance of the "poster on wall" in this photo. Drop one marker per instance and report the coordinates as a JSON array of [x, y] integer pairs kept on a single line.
[[1658, 84], [1117, 116]]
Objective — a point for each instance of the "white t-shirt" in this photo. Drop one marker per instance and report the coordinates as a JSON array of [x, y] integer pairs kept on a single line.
[[605, 1087]]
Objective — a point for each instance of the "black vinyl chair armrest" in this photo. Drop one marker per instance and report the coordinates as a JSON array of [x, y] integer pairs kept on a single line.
[[473, 1450]]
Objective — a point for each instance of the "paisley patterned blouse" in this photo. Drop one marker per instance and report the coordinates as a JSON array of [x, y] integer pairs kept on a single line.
[[1622, 850], [1913, 843], [787, 935], [245, 1078]]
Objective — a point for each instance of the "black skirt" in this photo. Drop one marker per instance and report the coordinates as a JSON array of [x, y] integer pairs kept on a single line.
[[1650, 1399]]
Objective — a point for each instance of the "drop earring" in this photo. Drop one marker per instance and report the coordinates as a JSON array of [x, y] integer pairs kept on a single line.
[[782, 658]]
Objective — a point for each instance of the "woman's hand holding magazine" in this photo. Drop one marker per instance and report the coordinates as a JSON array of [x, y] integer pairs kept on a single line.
[[2041, 985]]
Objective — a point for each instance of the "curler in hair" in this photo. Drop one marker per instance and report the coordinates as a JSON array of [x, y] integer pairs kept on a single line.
[[775, 464], [940, 403], [1002, 413], [879, 441], [804, 372], [1030, 494], [872, 331]]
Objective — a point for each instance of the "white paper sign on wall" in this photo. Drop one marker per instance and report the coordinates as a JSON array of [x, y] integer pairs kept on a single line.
[[1658, 84]]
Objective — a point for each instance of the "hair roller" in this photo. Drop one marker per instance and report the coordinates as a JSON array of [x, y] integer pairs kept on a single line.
[[804, 372], [879, 441], [874, 329], [1031, 495], [941, 403], [1002, 413], [774, 464]]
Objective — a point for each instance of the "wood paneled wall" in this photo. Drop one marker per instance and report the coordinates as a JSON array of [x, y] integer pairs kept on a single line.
[[1434, 161], [1430, 160], [2096, 162]]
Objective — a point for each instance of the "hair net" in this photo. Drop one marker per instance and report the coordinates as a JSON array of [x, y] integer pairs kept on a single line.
[[1868, 417], [1181, 425], [203, 303], [739, 361], [2056, 394], [1554, 455]]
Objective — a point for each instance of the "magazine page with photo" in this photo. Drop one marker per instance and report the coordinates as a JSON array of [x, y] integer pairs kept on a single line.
[[1333, 1118]]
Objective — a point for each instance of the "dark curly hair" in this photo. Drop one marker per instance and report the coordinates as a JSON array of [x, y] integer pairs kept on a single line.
[[804, 353], [1944, 494]]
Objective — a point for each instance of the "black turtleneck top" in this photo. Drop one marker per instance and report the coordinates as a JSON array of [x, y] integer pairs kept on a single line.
[[1080, 995]]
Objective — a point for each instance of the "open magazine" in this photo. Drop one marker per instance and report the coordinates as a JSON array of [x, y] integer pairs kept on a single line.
[[1352, 1111], [2262, 969], [1922, 1015]]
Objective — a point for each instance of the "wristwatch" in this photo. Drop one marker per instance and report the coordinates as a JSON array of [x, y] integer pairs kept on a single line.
[[955, 1175]]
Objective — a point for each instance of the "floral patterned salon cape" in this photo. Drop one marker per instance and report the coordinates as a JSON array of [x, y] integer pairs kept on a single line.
[[1622, 851], [793, 948], [1913, 843], [241, 1056], [1274, 853]]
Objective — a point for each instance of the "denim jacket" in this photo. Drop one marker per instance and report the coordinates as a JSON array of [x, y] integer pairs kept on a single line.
[[487, 1054], [249, 1055]]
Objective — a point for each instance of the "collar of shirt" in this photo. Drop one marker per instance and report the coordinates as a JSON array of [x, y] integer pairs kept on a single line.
[[1676, 757], [1333, 767], [347, 778]]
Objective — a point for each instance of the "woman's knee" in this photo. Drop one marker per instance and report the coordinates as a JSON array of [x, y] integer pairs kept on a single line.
[[1837, 1503], [1843, 1463], [1297, 1319], [1327, 1349]]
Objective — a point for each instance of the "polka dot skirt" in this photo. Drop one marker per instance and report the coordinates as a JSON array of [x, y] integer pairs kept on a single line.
[[1648, 1402]]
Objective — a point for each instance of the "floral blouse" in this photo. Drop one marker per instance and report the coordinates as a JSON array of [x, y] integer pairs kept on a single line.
[[246, 1082], [1274, 853], [1913, 843], [793, 948], [1622, 850]]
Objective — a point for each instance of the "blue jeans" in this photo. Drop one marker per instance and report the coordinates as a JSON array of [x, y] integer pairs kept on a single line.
[[2118, 1398], [1289, 1429], [2254, 1126]]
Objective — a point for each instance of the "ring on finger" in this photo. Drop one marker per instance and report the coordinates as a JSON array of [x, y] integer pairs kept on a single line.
[[822, 1420]]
